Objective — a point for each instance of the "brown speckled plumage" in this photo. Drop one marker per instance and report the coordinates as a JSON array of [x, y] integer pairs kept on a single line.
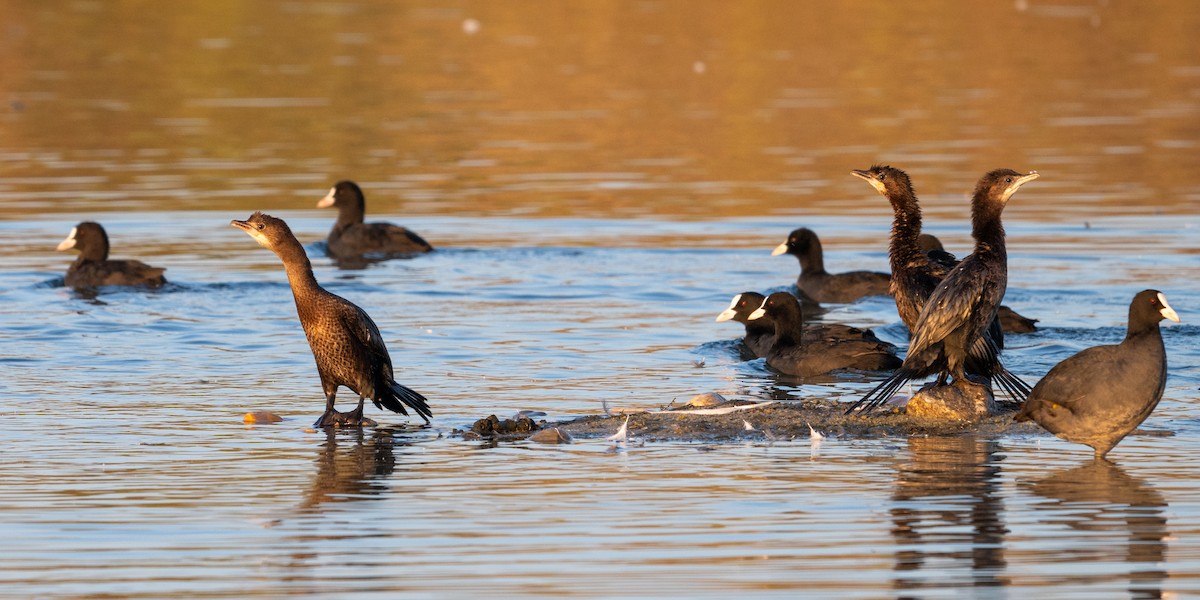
[[345, 342]]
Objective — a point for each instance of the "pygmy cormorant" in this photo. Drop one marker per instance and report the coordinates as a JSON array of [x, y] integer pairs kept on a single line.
[[345, 342], [964, 303]]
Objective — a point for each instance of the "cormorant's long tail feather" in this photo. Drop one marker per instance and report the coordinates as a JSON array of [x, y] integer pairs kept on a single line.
[[1013, 386], [882, 392], [395, 397], [984, 359]]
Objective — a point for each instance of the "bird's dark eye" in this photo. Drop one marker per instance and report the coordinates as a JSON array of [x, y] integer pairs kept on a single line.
[[882, 176], [259, 226], [1008, 179]]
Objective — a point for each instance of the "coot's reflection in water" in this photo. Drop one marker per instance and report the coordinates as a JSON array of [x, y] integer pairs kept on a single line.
[[352, 465], [948, 515], [1099, 498]]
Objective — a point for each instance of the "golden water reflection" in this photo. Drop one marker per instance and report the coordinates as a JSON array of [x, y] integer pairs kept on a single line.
[[608, 108]]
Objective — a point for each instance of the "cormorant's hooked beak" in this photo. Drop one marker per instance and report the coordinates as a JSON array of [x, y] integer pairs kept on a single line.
[[329, 199], [866, 176], [1166, 311], [1017, 183], [68, 243], [250, 231]]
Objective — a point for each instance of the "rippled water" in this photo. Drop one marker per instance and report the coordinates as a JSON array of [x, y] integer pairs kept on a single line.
[[599, 179]]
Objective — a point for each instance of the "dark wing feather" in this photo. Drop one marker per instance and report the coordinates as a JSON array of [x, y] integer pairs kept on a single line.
[[957, 298]]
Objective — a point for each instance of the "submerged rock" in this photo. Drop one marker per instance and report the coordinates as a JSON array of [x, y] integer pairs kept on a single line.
[[552, 435], [959, 401]]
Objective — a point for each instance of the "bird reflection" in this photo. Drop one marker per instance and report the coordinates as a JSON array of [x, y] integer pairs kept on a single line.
[[351, 466], [962, 522], [1099, 497]]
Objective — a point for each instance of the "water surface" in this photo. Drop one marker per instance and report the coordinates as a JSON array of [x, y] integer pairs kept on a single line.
[[599, 180]]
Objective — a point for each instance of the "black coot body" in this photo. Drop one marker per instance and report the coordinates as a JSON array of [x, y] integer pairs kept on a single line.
[[822, 286], [345, 342], [1099, 395], [795, 354], [760, 332], [1010, 320], [964, 303], [350, 238], [93, 269]]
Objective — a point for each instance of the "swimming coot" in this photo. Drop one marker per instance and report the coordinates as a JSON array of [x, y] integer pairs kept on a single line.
[[1099, 395], [350, 238], [760, 332], [793, 353], [963, 304], [93, 269], [821, 285], [345, 342]]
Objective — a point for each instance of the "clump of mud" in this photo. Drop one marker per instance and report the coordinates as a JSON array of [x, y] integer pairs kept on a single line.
[[492, 427]]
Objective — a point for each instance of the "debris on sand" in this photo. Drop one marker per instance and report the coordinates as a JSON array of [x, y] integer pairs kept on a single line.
[[813, 418]]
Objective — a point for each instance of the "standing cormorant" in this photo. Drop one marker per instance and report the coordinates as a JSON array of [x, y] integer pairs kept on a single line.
[[963, 305], [916, 273], [352, 239], [1100, 394], [345, 342], [93, 269]]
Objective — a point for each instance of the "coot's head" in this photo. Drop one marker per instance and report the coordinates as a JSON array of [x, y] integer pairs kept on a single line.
[[1150, 307], [343, 194], [888, 181], [268, 231], [800, 242], [780, 306], [1001, 184], [743, 304], [89, 239]]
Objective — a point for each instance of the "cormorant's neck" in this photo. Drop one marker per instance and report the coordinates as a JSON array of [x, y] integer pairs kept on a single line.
[[299, 269], [986, 226], [905, 249]]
